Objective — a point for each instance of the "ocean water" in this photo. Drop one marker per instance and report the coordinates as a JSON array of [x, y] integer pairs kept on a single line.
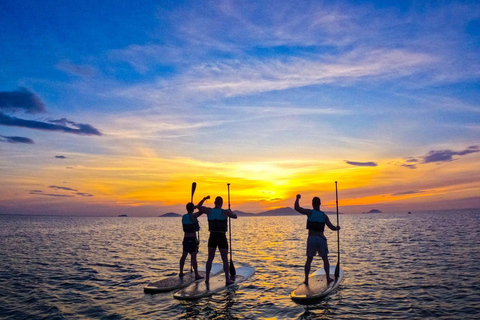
[[424, 265]]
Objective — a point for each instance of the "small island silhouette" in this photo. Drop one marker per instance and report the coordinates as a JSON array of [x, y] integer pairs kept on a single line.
[[374, 211]]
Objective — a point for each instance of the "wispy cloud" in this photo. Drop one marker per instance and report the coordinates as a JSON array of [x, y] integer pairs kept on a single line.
[[60, 157], [77, 70], [407, 192]]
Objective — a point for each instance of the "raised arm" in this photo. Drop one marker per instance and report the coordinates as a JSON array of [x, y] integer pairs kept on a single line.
[[329, 224], [201, 208], [300, 209]]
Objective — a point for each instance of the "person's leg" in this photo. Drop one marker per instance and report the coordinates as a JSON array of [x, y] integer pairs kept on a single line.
[[182, 263], [308, 263], [224, 254], [211, 255], [195, 265], [326, 266]]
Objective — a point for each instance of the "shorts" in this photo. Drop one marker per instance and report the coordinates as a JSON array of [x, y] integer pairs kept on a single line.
[[190, 244], [317, 244], [218, 239]]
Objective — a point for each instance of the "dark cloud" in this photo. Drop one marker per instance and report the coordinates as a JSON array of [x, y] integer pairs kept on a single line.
[[22, 99], [409, 166], [28, 102], [407, 192], [73, 192], [81, 129], [41, 193], [447, 155], [412, 160], [362, 164], [62, 188], [60, 157], [83, 194], [16, 139]]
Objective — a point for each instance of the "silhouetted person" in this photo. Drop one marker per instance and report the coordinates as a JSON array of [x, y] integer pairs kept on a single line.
[[217, 225], [190, 241], [316, 242]]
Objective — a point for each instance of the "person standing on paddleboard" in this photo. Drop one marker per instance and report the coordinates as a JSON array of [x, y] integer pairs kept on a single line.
[[190, 242], [316, 242], [217, 225]]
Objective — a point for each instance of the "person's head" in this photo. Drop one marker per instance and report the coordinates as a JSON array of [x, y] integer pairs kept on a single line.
[[218, 202], [316, 203], [190, 207]]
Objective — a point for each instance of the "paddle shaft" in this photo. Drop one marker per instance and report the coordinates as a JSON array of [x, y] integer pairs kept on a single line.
[[194, 186], [337, 268], [232, 267]]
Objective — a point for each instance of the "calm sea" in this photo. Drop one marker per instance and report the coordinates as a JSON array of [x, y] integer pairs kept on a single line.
[[424, 265]]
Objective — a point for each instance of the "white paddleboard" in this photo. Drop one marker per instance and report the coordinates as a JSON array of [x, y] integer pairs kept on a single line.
[[217, 283], [318, 287], [176, 282]]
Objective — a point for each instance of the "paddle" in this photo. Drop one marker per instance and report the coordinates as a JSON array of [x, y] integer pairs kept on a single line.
[[337, 268], [233, 272], [194, 186]]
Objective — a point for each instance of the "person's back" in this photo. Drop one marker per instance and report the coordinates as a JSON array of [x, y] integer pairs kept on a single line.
[[217, 225], [316, 242], [190, 226]]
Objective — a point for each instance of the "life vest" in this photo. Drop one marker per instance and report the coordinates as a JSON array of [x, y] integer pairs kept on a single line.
[[316, 221], [217, 221], [188, 224]]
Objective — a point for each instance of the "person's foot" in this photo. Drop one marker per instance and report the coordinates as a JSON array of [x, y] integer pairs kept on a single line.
[[229, 282], [181, 274], [198, 277], [330, 280], [306, 282]]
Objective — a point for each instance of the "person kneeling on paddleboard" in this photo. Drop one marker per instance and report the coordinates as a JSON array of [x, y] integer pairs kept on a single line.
[[190, 242], [217, 225], [316, 242]]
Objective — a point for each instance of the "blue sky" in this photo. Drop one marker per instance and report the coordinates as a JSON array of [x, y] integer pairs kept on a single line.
[[127, 103]]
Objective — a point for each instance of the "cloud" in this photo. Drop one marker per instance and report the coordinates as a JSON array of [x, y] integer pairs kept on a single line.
[[16, 139], [78, 128], [362, 164], [447, 155], [62, 188], [409, 166], [407, 192], [60, 157], [28, 102], [41, 193], [77, 70], [83, 194], [21, 99], [74, 192]]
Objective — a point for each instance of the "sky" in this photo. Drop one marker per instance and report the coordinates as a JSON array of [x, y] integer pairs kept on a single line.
[[116, 107]]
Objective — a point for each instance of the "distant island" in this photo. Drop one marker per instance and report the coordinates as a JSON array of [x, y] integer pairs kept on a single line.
[[374, 211], [170, 214], [122, 215]]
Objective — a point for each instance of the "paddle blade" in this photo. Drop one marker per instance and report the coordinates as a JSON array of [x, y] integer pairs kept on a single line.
[[233, 272], [337, 270], [194, 186]]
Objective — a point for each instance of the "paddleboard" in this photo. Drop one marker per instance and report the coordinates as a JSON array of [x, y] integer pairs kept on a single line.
[[200, 289], [318, 287], [176, 282]]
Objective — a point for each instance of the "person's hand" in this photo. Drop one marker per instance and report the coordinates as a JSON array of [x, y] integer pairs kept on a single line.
[[206, 198], [299, 196], [338, 228]]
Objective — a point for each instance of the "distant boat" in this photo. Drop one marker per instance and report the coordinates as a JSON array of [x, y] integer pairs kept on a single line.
[[409, 212], [122, 215]]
